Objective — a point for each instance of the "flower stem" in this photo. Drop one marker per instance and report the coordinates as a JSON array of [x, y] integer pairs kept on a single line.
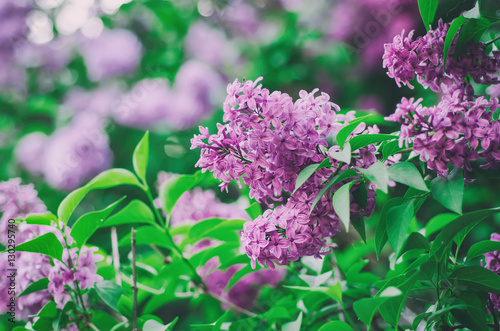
[[134, 282]]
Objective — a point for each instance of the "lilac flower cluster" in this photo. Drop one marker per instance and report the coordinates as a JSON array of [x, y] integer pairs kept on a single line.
[[267, 141], [459, 129], [406, 59], [71, 155], [493, 263], [17, 201]]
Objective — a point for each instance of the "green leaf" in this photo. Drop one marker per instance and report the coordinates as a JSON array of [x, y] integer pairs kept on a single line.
[[39, 285], [471, 32], [359, 225], [174, 188], [344, 133], [391, 309], [149, 235], [216, 228], [293, 326], [308, 171], [363, 140], [135, 212], [414, 241], [391, 148], [344, 155], [476, 277], [335, 326], [254, 211], [152, 325], [106, 179], [349, 173], [450, 36], [406, 173], [365, 308], [381, 231], [49, 310], [341, 203], [438, 222], [427, 10], [86, 225], [141, 156], [449, 191], [377, 174], [46, 244], [41, 219], [451, 230], [398, 221], [110, 293], [483, 247]]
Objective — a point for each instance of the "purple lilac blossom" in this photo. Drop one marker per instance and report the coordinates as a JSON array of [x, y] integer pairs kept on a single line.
[[493, 263], [267, 140], [113, 53], [100, 101], [30, 150], [76, 152], [209, 45], [422, 58], [17, 201]]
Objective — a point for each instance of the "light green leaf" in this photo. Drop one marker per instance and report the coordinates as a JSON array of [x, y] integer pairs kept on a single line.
[[46, 244], [449, 191], [377, 174], [141, 156], [135, 212], [438, 222], [335, 326], [110, 293], [341, 203], [87, 224], [308, 171], [391, 148], [344, 155], [366, 308], [106, 179], [406, 173], [149, 235], [39, 285], [174, 188], [216, 228], [254, 210], [293, 326], [41, 219]]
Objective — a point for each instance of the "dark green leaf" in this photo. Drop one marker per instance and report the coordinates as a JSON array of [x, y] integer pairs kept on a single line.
[[49, 310], [449, 191], [363, 140], [381, 231], [366, 308], [477, 277], [135, 212], [349, 173], [471, 32], [398, 221], [344, 133], [86, 225], [427, 10], [359, 225], [406, 173], [141, 156], [483, 247], [110, 293], [450, 36], [391, 148], [414, 241]]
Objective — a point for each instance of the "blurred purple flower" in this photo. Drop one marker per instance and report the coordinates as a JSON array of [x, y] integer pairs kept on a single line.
[[76, 152], [100, 101], [113, 53], [30, 150]]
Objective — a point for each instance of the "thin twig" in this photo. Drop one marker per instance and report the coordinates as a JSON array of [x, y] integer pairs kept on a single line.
[[134, 280], [116, 255], [233, 306], [492, 41], [93, 327]]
